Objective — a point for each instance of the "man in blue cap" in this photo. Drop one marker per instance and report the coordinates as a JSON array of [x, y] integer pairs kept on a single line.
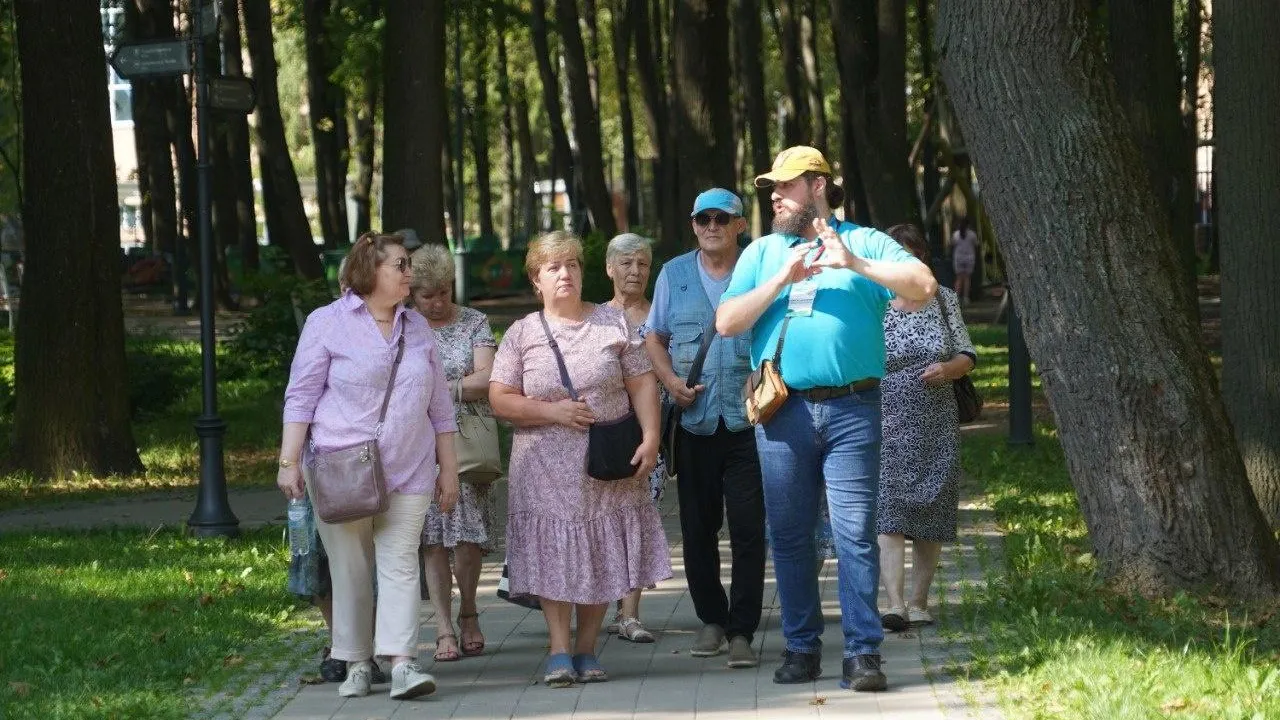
[[718, 470]]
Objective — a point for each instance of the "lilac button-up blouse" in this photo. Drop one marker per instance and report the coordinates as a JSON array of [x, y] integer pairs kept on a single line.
[[338, 378]]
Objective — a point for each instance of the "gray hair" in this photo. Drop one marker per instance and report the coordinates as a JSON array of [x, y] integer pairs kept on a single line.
[[432, 267], [627, 244]]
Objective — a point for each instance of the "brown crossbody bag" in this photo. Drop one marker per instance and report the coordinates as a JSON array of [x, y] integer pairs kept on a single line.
[[764, 391], [348, 484]]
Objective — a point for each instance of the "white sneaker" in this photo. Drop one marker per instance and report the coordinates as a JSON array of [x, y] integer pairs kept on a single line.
[[408, 681], [359, 678], [918, 616]]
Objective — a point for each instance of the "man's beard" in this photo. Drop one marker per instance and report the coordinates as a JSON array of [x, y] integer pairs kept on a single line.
[[798, 222]]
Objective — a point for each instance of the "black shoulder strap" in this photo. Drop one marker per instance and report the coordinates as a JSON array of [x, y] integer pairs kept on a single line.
[[782, 337], [555, 348], [695, 370], [391, 381]]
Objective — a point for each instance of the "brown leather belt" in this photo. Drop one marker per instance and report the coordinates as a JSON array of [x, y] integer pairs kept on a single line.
[[820, 394]]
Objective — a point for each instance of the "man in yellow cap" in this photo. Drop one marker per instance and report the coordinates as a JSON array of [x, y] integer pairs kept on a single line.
[[822, 285]]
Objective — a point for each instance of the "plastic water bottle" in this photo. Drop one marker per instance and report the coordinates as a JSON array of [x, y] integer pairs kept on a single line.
[[300, 526]]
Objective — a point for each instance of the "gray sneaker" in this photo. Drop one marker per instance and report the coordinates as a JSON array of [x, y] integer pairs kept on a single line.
[[359, 678], [710, 642], [408, 681], [740, 653]]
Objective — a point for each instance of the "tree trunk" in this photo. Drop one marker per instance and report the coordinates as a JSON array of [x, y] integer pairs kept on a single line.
[[1147, 439], [527, 198], [749, 41], [328, 119], [510, 188], [586, 121], [150, 20], [871, 41], [797, 128], [72, 401], [1247, 61], [480, 130], [813, 74], [450, 173], [291, 228], [413, 134], [187, 251], [929, 175], [704, 126], [590, 21], [648, 37], [562, 160], [623, 21], [1144, 60], [238, 143], [365, 141]]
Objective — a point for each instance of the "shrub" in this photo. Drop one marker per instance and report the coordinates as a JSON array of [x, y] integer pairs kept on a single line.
[[263, 344]]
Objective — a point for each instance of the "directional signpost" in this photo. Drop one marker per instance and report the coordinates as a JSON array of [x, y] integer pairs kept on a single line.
[[232, 93], [141, 60]]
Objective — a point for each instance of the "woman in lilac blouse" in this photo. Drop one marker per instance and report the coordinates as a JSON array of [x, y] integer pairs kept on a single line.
[[336, 385]]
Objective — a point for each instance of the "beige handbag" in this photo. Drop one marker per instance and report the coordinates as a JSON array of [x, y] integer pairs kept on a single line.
[[348, 484], [765, 391], [476, 443]]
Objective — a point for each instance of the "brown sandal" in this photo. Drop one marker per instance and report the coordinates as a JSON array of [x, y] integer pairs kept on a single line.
[[449, 656], [475, 647]]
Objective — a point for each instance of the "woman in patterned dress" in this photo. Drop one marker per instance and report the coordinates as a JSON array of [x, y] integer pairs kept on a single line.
[[627, 261], [576, 542], [920, 451], [466, 347]]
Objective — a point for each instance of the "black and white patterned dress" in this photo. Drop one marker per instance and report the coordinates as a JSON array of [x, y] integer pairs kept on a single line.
[[920, 454]]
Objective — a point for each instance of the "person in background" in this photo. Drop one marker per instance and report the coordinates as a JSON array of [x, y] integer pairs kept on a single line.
[[576, 542], [336, 387], [628, 260], [827, 283], [719, 466], [466, 347], [964, 257], [925, 351]]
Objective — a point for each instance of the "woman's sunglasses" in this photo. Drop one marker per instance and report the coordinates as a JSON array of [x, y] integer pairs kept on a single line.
[[401, 264], [705, 219]]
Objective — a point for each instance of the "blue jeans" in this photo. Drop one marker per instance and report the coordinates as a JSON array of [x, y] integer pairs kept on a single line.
[[804, 443]]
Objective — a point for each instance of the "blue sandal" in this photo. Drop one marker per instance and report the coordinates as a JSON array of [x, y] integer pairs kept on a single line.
[[559, 671], [589, 669]]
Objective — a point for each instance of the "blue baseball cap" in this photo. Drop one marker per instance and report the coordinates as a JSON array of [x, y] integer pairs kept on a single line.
[[717, 199]]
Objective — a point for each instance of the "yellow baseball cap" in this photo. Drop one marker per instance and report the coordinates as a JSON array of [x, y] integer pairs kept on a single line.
[[792, 163]]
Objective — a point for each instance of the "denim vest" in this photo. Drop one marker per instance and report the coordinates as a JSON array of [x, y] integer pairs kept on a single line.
[[728, 361]]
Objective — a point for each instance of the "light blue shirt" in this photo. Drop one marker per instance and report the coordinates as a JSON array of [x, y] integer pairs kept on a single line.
[[843, 339]]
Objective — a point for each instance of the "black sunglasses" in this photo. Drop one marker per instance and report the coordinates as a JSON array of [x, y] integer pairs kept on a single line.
[[721, 219]]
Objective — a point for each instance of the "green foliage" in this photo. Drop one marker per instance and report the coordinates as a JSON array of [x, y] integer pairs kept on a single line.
[[263, 344], [161, 370], [131, 623], [10, 113]]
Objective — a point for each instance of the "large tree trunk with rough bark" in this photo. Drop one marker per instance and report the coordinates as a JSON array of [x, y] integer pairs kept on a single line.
[[413, 131], [702, 102], [241, 164], [480, 129], [1247, 97], [813, 74], [528, 172], [510, 188], [562, 157], [796, 123], [649, 67], [365, 141], [749, 39], [1147, 439], [1144, 59], [871, 37], [622, 33], [153, 20], [328, 119], [290, 227], [586, 121], [72, 404]]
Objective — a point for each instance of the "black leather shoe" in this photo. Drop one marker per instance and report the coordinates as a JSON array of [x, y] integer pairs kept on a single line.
[[379, 677], [333, 670], [798, 667], [862, 673]]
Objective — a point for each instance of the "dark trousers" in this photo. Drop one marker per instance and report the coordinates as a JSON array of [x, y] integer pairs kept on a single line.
[[719, 476]]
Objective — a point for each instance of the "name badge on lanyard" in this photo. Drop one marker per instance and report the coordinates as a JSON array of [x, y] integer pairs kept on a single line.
[[800, 303]]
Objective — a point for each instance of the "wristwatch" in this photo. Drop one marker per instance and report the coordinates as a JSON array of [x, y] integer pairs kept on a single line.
[[287, 463]]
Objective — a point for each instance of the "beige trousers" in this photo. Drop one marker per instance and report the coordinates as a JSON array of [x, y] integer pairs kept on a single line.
[[393, 539]]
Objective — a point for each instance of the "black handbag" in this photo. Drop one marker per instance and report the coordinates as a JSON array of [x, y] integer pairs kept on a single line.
[[968, 401], [671, 412], [610, 445]]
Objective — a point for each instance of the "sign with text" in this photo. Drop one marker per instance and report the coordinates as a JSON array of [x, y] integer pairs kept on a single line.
[[232, 93], [140, 60]]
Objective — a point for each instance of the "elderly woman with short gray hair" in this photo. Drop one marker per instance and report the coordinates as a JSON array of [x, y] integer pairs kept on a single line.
[[628, 261], [466, 346]]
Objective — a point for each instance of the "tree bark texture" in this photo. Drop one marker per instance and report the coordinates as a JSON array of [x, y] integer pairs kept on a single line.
[[702, 103], [528, 200], [1247, 96], [586, 121], [813, 75], [72, 398], [480, 130], [1144, 59], [365, 142], [150, 20], [653, 91], [1147, 440], [328, 119], [562, 157], [749, 37], [622, 32], [510, 188], [871, 37], [291, 228], [413, 131], [855, 196], [238, 143]]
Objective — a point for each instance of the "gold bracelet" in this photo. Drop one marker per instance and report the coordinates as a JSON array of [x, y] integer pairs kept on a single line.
[[287, 463]]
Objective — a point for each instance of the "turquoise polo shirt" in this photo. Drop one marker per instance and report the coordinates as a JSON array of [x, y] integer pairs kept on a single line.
[[843, 339]]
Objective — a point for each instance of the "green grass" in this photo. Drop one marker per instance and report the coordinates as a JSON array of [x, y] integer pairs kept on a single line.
[[1055, 642], [136, 624]]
